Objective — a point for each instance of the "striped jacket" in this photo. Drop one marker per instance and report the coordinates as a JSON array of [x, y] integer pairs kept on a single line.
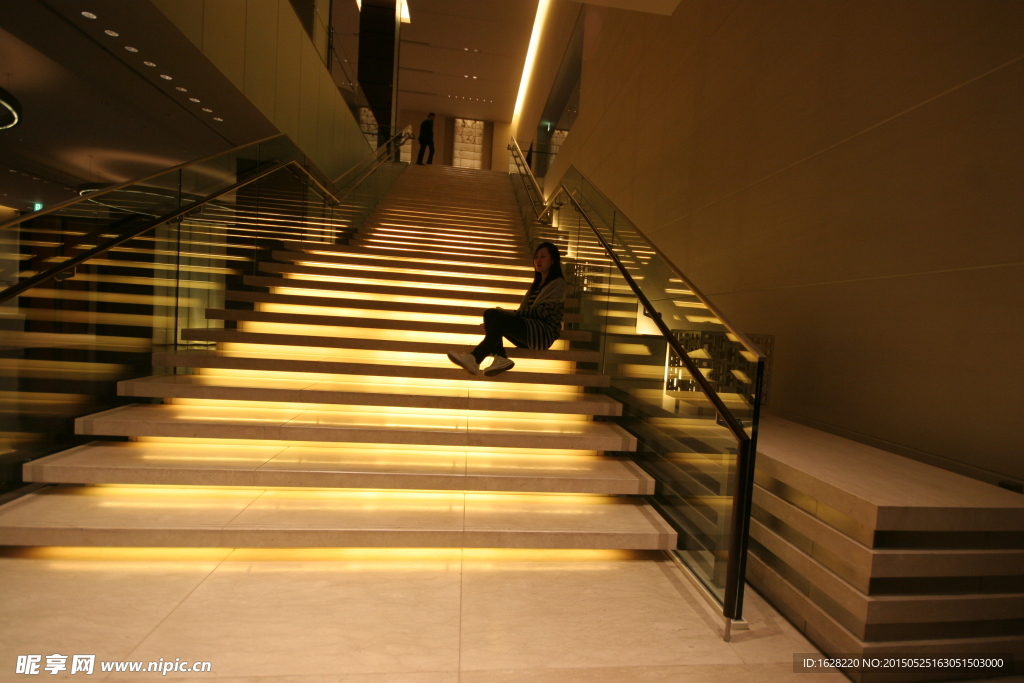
[[543, 315]]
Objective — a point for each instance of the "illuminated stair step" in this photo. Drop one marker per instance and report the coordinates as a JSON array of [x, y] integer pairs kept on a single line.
[[325, 342], [487, 299], [216, 422], [354, 254], [260, 518], [344, 466], [446, 234], [425, 280], [481, 228], [499, 272], [384, 289], [297, 300], [384, 324], [445, 370], [514, 261], [452, 397], [439, 243], [439, 281]]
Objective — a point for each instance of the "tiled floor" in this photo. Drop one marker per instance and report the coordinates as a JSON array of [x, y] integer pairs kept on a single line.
[[384, 616]]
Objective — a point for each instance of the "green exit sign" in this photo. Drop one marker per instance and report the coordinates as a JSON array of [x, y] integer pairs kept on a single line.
[[37, 207]]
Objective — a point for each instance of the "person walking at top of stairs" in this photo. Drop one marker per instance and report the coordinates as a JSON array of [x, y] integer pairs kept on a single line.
[[536, 324], [426, 139]]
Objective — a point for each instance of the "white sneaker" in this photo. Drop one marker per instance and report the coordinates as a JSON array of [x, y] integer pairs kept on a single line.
[[465, 361], [499, 366]]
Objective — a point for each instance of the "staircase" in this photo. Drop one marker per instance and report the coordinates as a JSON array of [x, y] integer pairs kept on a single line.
[[317, 408]]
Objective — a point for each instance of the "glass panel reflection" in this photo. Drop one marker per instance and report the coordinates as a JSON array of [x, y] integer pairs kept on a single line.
[[685, 440]]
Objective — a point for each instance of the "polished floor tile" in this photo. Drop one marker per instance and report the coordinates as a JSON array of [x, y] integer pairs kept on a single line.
[[386, 616]]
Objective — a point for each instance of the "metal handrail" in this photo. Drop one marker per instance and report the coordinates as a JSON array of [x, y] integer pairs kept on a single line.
[[127, 183], [386, 146], [732, 603]]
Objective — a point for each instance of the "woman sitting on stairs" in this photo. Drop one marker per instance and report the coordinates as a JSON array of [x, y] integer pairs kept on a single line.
[[535, 325]]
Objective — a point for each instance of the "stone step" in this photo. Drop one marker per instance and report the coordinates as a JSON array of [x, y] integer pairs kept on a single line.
[[360, 255], [328, 342], [387, 290], [362, 263], [383, 324], [340, 466], [126, 516], [469, 259], [440, 310], [482, 229], [441, 395], [437, 246], [427, 370], [393, 426], [459, 282]]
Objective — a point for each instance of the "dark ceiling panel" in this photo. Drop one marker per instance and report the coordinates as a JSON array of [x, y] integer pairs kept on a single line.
[[94, 112]]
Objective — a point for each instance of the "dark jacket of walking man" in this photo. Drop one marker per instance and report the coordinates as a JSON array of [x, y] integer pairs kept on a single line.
[[426, 139]]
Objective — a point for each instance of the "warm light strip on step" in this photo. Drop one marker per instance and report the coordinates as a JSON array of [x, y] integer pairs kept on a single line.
[[412, 271], [411, 358], [452, 231], [403, 283], [368, 333], [368, 410], [456, 246], [385, 298], [474, 388], [440, 262], [441, 239], [371, 313], [517, 260], [160, 560]]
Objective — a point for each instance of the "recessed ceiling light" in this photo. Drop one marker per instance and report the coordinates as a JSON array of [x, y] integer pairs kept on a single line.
[[193, 99], [149, 63], [88, 15], [207, 110], [474, 78], [476, 50], [180, 89], [166, 77], [112, 34], [130, 48], [466, 49], [466, 76], [217, 118]]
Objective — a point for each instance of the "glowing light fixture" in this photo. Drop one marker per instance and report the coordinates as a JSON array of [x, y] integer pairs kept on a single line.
[[130, 48], [403, 9], [112, 34], [88, 15], [531, 56], [10, 110]]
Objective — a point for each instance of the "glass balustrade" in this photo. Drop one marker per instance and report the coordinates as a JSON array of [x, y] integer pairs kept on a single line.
[[69, 339], [695, 419]]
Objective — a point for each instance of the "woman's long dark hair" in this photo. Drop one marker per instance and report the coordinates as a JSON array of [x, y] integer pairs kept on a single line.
[[555, 271]]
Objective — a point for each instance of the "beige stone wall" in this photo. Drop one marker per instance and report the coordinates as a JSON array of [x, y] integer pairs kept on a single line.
[[845, 175], [262, 48]]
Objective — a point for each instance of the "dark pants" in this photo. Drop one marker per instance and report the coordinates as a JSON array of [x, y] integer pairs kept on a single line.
[[423, 145], [497, 324]]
